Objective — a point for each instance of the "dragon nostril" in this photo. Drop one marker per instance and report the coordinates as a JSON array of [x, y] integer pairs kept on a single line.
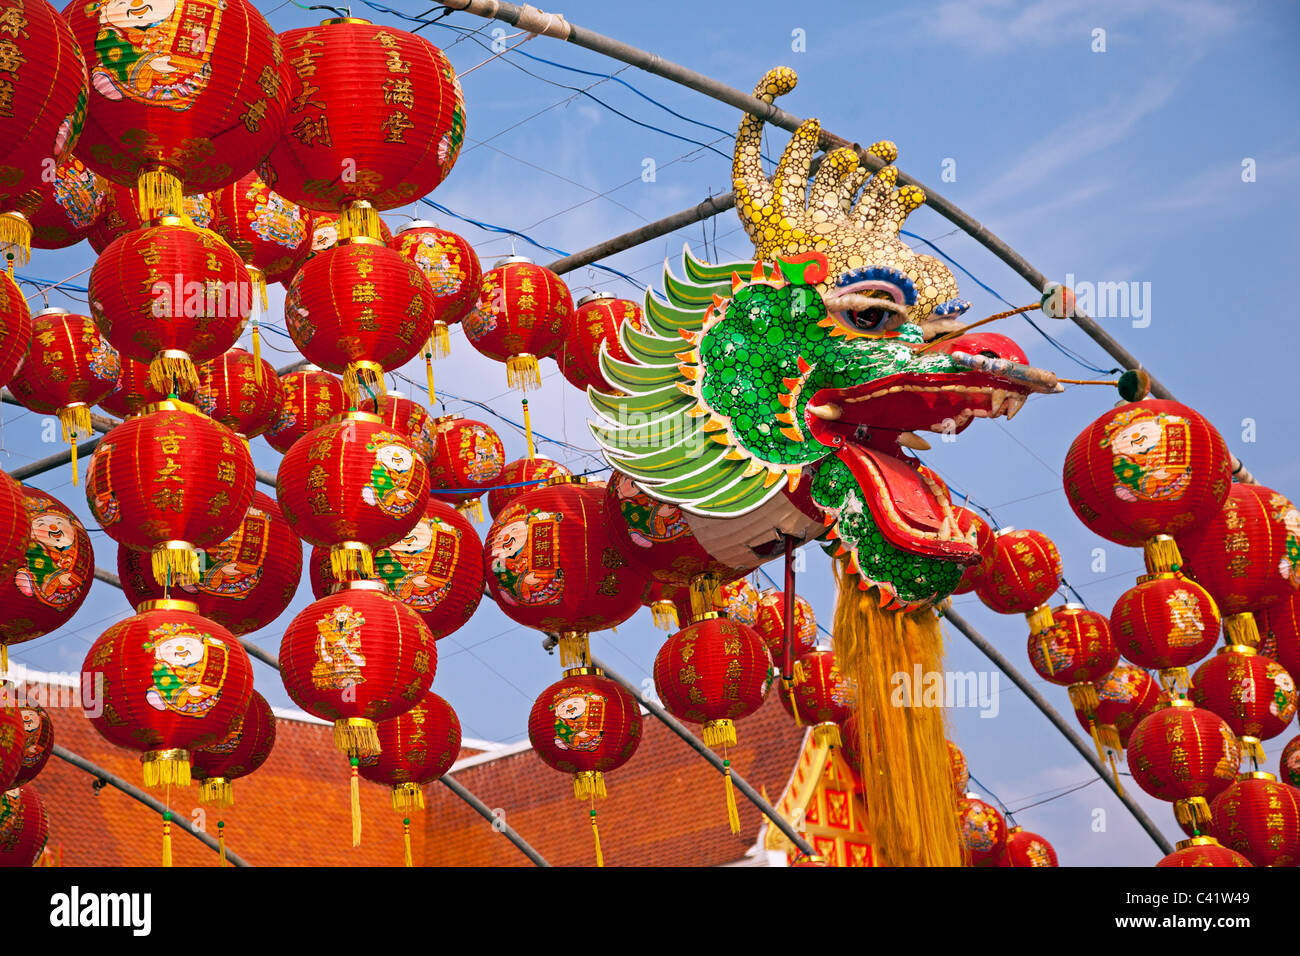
[[989, 353]]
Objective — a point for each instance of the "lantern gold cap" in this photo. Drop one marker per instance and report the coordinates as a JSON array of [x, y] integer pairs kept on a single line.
[[357, 416], [50, 310], [336, 20], [416, 224], [509, 259], [1245, 650], [359, 241], [565, 480], [453, 416], [706, 616], [1001, 531], [593, 297], [1196, 841], [170, 405], [167, 604], [588, 670], [1257, 775]]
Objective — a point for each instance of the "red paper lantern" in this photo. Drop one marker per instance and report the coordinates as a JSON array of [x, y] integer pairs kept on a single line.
[[42, 96], [960, 769], [15, 328], [12, 739], [595, 321], [1027, 849], [436, 570], [467, 455], [770, 624], [587, 725], [172, 683], [240, 391], [326, 233], [1289, 762], [53, 581], [453, 271], [1185, 755], [268, 232], [1255, 695], [983, 831], [1165, 621], [551, 563], [1247, 557], [824, 698], [520, 476], [63, 209], [1279, 629], [309, 399], [171, 295], [520, 318], [1124, 697], [24, 827], [244, 750], [357, 657], [354, 486], [408, 418], [1147, 468], [133, 391], [69, 368], [38, 742], [359, 309], [170, 481], [187, 103], [14, 527], [1203, 851], [1024, 571], [245, 581], [121, 214], [394, 116], [1260, 819], [415, 749], [1074, 652], [971, 523]]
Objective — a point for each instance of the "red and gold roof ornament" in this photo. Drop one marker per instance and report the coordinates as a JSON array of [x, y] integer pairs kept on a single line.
[[241, 752], [1259, 818], [309, 399], [1202, 851], [520, 318], [1186, 755], [1165, 622], [450, 264], [1255, 695], [354, 486], [170, 481], [1024, 570], [1026, 849], [241, 391], [520, 476], [823, 699], [467, 457], [983, 831], [595, 321], [24, 827], [38, 741], [15, 328], [1075, 652]]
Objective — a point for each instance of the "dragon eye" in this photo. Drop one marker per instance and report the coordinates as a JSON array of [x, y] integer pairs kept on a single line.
[[870, 317]]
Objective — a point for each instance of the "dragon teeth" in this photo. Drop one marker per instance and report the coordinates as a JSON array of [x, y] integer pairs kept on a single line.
[[1013, 406]]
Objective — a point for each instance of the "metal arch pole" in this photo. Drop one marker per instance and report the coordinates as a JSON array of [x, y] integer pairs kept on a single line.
[[63, 753], [677, 727], [1070, 734]]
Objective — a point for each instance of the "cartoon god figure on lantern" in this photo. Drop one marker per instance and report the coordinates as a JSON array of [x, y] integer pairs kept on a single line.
[[483, 454], [234, 567], [50, 573], [154, 52], [188, 672], [390, 476], [1186, 625], [1150, 455], [648, 520], [338, 650], [522, 554], [275, 219], [1287, 513], [417, 569], [579, 719]]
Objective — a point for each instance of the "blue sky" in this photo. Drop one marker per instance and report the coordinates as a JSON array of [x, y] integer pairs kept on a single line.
[[1117, 166]]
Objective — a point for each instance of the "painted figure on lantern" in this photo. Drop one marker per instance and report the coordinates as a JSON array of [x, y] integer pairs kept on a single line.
[[415, 569], [234, 567], [50, 573], [1282, 705], [32, 749], [648, 520], [1287, 513], [390, 476], [483, 454], [275, 219], [1150, 455], [579, 719], [1186, 625], [188, 672], [155, 52], [338, 650], [522, 556]]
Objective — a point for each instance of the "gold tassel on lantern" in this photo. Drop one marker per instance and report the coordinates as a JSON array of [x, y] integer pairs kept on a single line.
[[798, 675], [166, 768], [1175, 680], [170, 369], [406, 842], [733, 812], [167, 838], [788, 686], [16, 239], [575, 649], [1161, 554], [351, 558], [528, 431], [1083, 697], [217, 792], [355, 800], [595, 836], [472, 509], [159, 193], [1192, 811], [174, 562], [664, 614], [356, 736], [1241, 629], [359, 218], [362, 380], [428, 370], [588, 784], [523, 372], [408, 796], [221, 843], [720, 733], [1253, 748], [1040, 619], [4, 658], [704, 594], [440, 339], [827, 734], [75, 420]]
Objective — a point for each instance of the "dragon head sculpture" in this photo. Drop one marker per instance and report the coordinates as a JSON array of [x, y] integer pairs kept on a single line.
[[810, 377]]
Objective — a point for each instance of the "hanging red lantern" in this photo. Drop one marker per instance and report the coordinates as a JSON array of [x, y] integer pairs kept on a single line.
[[15, 538], [1165, 621], [520, 476], [63, 209], [1279, 629], [1260, 819], [69, 368], [1255, 695], [770, 624], [12, 738], [1147, 468], [467, 455], [983, 831], [326, 233], [1289, 762], [1027, 849], [243, 750], [414, 749], [436, 570], [1074, 652], [188, 103], [1203, 851], [595, 320], [552, 563], [395, 117], [24, 827], [15, 328], [241, 391], [1124, 697], [133, 391], [1024, 571], [408, 418], [354, 486], [453, 271], [1186, 755], [587, 725], [357, 657], [824, 698], [1247, 557], [170, 481], [359, 309], [121, 214], [54, 579], [309, 399], [172, 683], [171, 295], [245, 581], [520, 318], [960, 769], [42, 102], [268, 232], [38, 742], [972, 524]]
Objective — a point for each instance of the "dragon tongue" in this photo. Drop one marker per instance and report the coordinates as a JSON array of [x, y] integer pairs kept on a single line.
[[904, 507]]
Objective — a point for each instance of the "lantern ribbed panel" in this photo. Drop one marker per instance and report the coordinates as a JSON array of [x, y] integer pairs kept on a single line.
[[1288, 764], [1125, 696], [983, 831], [26, 828], [552, 563], [11, 745], [45, 116], [713, 669], [15, 530], [770, 624], [63, 210], [449, 263], [522, 311], [266, 230], [535, 470], [209, 119], [1077, 649], [1180, 751], [467, 455], [968, 521], [230, 393], [824, 695], [1255, 695], [70, 363], [1164, 621], [417, 747], [1147, 468], [15, 328], [359, 653], [1279, 628], [55, 578], [38, 742], [585, 723], [595, 321], [408, 418], [245, 749], [394, 115], [121, 214], [1259, 818], [309, 399], [1027, 849], [1202, 852], [246, 581], [1024, 572]]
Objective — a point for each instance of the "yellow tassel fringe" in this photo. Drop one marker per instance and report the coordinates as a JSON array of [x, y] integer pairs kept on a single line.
[[595, 836], [827, 735], [168, 372], [166, 768], [440, 339], [167, 843], [1193, 811], [356, 736], [704, 593], [1176, 680], [16, 238], [221, 843], [174, 563], [217, 792], [720, 733], [1241, 629], [472, 509], [408, 796], [1040, 619], [1161, 554], [406, 843], [159, 193], [428, 372], [664, 615], [523, 372], [588, 784], [351, 560], [733, 812], [355, 802], [1083, 697], [359, 218], [363, 380], [575, 649]]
